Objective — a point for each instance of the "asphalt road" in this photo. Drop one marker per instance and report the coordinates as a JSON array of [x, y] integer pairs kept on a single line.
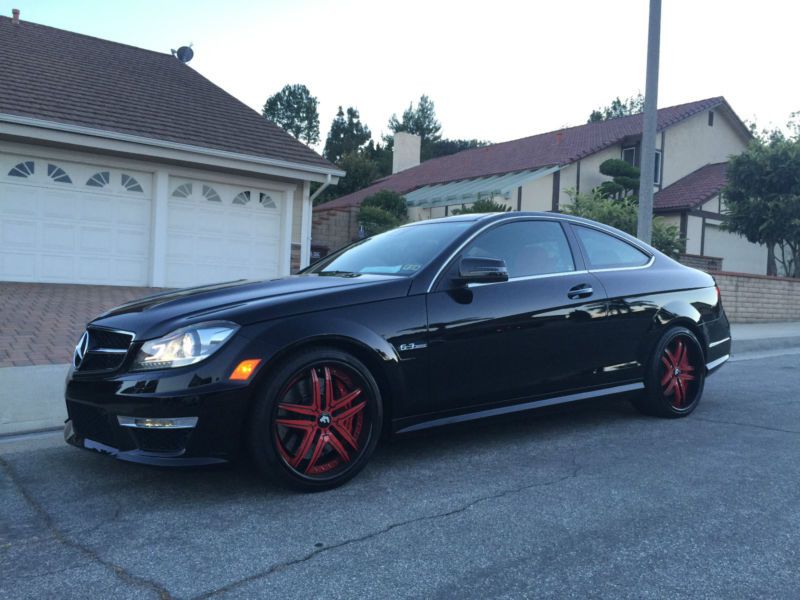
[[593, 501]]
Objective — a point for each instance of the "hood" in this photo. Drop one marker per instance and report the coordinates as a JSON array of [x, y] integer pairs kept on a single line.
[[246, 302]]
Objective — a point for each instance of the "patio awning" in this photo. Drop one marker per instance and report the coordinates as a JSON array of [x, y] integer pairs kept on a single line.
[[468, 191]]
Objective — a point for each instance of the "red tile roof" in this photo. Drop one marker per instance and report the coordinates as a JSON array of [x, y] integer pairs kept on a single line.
[[559, 147], [61, 76], [694, 189]]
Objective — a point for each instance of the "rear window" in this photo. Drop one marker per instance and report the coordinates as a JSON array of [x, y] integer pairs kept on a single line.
[[604, 251]]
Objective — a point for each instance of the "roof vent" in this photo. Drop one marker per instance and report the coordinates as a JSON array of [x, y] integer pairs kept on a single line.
[[15, 16], [184, 53]]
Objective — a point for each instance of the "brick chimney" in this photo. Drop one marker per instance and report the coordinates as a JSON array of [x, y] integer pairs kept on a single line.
[[15, 16], [406, 152]]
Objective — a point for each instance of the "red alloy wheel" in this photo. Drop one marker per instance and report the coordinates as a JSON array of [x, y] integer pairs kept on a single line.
[[321, 424], [678, 373]]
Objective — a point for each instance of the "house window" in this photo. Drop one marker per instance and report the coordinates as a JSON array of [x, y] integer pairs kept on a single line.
[[184, 190], [266, 201], [130, 184], [210, 194], [23, 169], [629, 155], [242, 198], [711, 118], [57, 174], [657, 170], [101, 179]]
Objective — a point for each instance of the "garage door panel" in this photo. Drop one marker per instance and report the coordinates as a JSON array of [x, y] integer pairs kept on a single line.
[[96, 240], [132, 212], [132, 243], [98, 209], [55, 205], [58, 236], [57, 268], [18, 266], [18, 233], [68, 232], [225, 237], [18, 200]]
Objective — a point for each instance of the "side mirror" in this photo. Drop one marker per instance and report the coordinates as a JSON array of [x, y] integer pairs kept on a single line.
[[482, 270]]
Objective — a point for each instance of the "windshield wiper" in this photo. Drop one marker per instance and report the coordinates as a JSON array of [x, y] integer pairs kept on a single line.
[[338, 274]]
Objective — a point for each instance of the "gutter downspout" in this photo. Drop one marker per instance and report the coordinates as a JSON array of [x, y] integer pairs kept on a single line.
[[320, 190]]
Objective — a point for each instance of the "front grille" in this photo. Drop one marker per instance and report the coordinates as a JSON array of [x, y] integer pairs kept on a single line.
[[102, 350]]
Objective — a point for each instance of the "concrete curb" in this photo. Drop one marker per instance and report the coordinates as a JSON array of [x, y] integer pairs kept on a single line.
[[759, 345]]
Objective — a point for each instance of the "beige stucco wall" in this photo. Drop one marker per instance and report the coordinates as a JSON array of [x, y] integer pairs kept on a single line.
[[694, 235], [590, 172], [692, 144], [538, 194], [738, 255]]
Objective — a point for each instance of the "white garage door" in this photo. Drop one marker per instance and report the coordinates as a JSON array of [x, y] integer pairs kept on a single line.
[[220, 232], [72, 223]]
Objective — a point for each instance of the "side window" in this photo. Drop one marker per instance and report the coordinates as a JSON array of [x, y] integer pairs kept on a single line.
[[605, 251], [527, 247]]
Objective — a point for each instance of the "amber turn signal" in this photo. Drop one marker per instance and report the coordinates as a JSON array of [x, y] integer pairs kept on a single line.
[[245, 369]]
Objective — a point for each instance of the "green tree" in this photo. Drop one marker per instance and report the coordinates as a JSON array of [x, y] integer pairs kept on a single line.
[[762, 198], [618, 108], [346, 135], [482, 206], [382, 211], [294, 109], [361, 171], [625, 178], [622, 214], [420, 120]]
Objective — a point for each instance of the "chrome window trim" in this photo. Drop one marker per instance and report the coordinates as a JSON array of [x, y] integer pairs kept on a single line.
[[718, 342], [609, 269], [529, 277]]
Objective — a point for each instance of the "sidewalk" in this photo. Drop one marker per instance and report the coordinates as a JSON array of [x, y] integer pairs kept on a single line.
[[752, 337]]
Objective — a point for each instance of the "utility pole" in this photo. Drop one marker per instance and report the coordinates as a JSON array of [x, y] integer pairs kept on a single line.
[[644, 229]]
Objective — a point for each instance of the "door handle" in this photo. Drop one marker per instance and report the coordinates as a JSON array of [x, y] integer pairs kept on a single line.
[[582, 290]]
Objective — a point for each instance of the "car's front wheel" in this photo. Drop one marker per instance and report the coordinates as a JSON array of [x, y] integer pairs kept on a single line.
[[317, 420], [675, 376]]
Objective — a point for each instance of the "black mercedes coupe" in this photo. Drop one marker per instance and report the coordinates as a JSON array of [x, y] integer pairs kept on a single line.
[[432, 323]]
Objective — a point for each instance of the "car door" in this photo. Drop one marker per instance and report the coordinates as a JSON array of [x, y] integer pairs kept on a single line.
[[632, 287], [532, 335]]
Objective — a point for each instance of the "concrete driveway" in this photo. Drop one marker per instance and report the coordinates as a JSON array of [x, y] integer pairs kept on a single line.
[[592, 501]]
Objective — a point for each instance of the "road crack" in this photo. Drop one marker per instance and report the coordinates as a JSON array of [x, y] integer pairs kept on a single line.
[[317, 551], [120, 572], [749, 425]]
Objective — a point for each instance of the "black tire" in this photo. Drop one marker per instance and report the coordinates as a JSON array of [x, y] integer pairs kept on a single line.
[[302, 434], [674, 377]]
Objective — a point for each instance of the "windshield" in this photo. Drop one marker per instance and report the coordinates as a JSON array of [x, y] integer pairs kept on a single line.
[[402, 251]]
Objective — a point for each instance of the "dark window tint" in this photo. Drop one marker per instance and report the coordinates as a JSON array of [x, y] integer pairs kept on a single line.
[[605, 251], [527, 247]]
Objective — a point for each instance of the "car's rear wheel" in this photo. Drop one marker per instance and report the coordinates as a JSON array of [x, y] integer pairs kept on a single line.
[[675, 376], [317, 421]]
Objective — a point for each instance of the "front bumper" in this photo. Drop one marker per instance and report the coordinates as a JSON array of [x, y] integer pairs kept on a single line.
[[191, 416]]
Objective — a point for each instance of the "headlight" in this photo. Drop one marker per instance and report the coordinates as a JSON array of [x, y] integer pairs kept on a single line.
[[184, 346]]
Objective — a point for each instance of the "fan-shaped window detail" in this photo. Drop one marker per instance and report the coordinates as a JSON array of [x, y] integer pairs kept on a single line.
[[57, 174], [184, 190], [242, 198], [101, 179], [209, 193], [130, 184], [266, 201], [23, 169]]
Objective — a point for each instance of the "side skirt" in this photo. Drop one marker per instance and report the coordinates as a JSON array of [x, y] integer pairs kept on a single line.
[[493, 412]]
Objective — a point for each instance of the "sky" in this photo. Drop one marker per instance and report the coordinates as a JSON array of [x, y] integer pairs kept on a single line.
[[496, 70]]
